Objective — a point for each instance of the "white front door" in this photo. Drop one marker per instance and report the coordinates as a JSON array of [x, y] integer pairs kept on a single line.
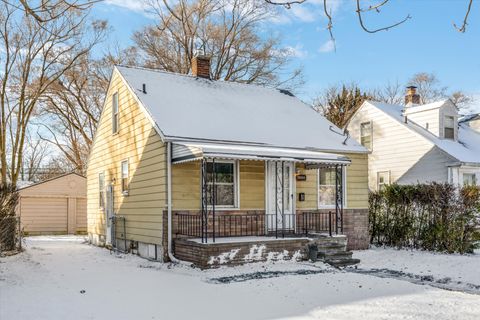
[[280, 214], [109, 214]]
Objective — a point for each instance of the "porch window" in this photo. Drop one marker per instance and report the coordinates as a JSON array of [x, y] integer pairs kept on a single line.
[[225, 180], [115, 113], [449, 128], [366, 135], [101, 190], [326, 187], [469, 179], [124, 177]]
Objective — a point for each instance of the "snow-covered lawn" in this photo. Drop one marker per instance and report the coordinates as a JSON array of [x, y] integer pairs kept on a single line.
[[64, 278]]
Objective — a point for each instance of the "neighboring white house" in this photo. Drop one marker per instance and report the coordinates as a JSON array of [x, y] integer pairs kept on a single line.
[[418, 143]]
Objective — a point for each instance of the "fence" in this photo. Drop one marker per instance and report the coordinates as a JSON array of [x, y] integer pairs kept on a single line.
[[10, 234]]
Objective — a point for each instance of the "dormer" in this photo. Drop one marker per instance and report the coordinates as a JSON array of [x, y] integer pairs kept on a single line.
[[440, 118]]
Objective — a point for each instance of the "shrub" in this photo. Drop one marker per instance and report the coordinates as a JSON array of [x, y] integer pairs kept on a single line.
[[433, 216], [9, 233]]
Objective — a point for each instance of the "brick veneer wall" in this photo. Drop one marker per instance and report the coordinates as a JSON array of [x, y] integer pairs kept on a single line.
[[355, 227], [219, 254]]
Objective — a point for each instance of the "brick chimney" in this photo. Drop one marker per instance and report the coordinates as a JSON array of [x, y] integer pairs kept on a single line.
[[412, 97], [201, 66]]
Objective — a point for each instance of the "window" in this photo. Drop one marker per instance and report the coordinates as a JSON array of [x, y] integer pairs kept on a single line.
[[449, 127], [366, 135], [125, 177], [115, 113], [101, 190], [469, 179], [383, 179], [326, 187], [225, 183]]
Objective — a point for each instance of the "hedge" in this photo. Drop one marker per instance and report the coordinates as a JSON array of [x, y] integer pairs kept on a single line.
[[435, 216]]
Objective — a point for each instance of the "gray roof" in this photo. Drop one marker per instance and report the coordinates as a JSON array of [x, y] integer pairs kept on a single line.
[[190, 108]]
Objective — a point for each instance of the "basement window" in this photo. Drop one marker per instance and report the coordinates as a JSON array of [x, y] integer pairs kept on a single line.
[[115, 113], [366, 135], [449, 128]]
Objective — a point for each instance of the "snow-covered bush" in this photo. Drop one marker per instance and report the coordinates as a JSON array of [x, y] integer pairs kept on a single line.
[[433, 216], [9, 233]]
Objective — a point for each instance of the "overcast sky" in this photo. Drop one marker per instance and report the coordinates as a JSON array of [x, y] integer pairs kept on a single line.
[[425, 43]]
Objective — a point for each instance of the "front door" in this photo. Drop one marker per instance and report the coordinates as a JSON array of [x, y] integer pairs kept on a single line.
[[280, 214], [109, 214]]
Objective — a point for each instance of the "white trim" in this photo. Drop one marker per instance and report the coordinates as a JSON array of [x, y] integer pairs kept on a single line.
[[125, 192], [389, 180]]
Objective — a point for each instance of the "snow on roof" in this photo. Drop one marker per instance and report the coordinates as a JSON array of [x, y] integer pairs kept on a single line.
[[191, 151], [189, 108], [466, 149], [470, 117], [425, 107]]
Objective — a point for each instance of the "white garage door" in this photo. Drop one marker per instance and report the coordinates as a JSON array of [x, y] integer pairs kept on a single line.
[[44, 215]]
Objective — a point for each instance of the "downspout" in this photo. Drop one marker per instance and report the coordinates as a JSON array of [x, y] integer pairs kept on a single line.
[[169, 203]]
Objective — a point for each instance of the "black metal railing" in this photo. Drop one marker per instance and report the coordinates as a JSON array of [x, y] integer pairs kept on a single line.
[[317, 222], [244, 225]]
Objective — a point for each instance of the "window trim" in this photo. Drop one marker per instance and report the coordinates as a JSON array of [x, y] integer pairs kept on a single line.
[[101, 194], [236, 185], [445, 127], [116, 115], [378, 178], [371, 134], [344, 187], [125, 192]]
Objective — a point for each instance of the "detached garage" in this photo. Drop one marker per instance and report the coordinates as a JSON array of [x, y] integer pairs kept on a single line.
[[55, 206]]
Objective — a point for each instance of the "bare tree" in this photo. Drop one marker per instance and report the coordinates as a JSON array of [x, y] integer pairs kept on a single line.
[[34, 56], [227, 30], [361, 11], [35, 153], [72, 107], [391, 93]]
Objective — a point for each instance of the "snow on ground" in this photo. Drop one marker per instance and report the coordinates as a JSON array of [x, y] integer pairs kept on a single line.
[[459, 268], [64, 278]]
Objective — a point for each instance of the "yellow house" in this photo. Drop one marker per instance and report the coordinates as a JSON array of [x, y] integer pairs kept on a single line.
[[212, 171]]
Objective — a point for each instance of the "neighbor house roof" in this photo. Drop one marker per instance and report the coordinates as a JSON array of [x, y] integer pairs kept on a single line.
[[470, 117], [465, 150], [187, 108]]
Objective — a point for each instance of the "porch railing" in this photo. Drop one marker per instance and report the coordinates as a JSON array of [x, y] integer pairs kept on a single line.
[[245, 225]]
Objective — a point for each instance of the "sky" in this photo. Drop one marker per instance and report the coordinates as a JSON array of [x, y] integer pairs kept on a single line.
[[427, 42]]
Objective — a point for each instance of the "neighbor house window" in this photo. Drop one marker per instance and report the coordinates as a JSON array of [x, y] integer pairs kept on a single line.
[[383, 179], [115, 113], [469, 179], [326, 187], [366, 135], [225, 180], [449, 128], [125, 177], [101, 190]]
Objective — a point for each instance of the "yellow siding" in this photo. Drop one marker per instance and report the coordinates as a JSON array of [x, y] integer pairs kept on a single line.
[[357, 184], [186, 185], [138, 142]]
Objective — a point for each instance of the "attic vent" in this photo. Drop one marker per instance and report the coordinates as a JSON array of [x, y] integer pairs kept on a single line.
[[288, 93]]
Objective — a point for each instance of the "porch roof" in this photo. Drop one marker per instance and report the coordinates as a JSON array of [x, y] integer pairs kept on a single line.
[[184, 152]]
